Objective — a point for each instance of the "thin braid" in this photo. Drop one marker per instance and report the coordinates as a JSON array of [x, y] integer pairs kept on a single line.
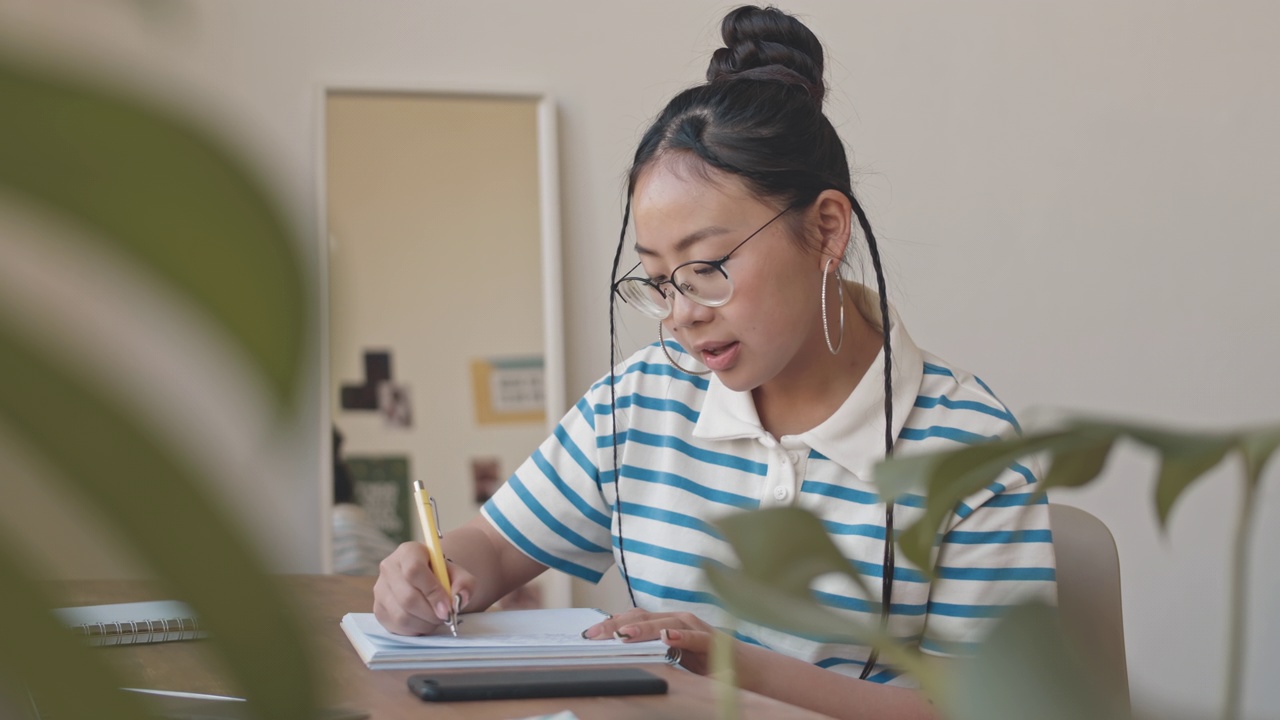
[[884, 322], [889, 555], [613, 397]]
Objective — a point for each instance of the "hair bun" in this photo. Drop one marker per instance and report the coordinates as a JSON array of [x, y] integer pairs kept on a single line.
[[768, 44]]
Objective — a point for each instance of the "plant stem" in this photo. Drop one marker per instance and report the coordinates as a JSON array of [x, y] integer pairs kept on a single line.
[[725, 672], [927, 677], [1236, 617]]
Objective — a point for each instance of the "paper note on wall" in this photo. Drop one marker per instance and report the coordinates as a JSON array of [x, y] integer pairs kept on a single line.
[[508, 390]]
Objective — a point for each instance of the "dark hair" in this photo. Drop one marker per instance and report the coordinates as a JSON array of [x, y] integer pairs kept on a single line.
[[343, 488], [758, 117]]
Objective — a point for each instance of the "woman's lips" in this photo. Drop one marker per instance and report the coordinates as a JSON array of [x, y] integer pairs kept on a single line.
[[720, 357]]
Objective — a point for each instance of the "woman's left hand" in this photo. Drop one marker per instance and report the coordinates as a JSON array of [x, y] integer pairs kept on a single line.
[[683, 631]]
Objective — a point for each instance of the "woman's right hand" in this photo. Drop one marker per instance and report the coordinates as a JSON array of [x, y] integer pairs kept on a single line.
[[408, 599]]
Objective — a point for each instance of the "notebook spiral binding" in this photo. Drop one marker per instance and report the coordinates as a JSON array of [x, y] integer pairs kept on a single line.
[[674, 656], [140, 632]]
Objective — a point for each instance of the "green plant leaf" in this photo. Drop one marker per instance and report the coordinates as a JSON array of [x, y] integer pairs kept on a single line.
[[160, 193], [783, 550], [787, 548], [112, 461], [898, 477], [1024, 669], [42, 655], [949, 478], [165, 196], [961, 472], [1184, 457], [1182, 465], [725, 673], [1162, 440], [1025, 663], [1258, 446], [757, 601], [1075, 464]]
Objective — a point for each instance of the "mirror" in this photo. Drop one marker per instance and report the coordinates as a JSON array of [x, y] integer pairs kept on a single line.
[[444, 311]]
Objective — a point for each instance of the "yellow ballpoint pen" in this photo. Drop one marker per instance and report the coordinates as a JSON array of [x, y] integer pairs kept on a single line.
[[431, 536]]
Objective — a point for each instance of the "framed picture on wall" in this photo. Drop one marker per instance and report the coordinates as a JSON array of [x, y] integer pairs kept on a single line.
[[381, 486]]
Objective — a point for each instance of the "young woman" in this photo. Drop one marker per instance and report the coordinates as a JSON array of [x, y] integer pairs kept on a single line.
[[774, 382]]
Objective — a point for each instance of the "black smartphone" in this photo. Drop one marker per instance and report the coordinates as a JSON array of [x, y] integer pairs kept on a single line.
[[557, 682]]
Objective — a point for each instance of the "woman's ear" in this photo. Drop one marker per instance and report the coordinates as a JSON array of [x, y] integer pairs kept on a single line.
[[833, 214]]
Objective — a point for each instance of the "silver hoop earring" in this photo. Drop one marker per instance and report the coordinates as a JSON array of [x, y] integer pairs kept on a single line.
[[662, 342], [826, 327]]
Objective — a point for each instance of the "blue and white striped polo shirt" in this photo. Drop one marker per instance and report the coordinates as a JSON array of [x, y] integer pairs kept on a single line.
[[691, 450]]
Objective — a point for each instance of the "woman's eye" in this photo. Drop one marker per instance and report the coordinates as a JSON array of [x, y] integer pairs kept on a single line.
[[703, 270]]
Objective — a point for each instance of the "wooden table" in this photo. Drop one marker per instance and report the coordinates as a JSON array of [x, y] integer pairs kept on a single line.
[[383, 693]]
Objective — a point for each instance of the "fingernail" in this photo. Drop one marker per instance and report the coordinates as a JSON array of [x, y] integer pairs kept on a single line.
[[591, 632], [442, 610], [664, 635], [671, 634], [621, 635]]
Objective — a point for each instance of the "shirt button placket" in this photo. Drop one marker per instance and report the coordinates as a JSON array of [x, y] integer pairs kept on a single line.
[[781, 480], [786, 477]]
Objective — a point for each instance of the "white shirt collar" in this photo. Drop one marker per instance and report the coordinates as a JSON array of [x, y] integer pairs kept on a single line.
[[853, 436]]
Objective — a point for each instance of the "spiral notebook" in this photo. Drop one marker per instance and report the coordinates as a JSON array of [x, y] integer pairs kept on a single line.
[[510, 638], [132, 623]]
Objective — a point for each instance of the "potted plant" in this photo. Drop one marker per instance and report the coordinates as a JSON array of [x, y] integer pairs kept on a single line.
[[1026, 661]]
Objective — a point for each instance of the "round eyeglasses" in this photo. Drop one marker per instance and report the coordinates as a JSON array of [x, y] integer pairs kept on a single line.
[[705, 282]]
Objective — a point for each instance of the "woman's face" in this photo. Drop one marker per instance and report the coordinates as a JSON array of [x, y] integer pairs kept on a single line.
[[773, 321]]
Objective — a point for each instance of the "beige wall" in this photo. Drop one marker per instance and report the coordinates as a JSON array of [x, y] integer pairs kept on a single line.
[[1076, 201]]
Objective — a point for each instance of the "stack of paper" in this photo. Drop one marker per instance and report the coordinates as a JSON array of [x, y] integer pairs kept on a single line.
[[510, 638]]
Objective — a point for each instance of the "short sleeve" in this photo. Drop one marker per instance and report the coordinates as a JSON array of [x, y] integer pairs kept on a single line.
[[553, 508]]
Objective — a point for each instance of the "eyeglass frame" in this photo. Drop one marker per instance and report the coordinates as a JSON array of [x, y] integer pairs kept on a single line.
[[717, 264]]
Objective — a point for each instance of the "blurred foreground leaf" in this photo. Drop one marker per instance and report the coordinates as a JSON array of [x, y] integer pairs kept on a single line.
[[1026, 669], [39, 652], [1078, 453], [1258, 447], [167, 198], [949, 478], [193, 547], [783, 550]]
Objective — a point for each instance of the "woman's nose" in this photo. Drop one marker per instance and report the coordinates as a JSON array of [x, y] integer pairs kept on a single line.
[[685, 312]]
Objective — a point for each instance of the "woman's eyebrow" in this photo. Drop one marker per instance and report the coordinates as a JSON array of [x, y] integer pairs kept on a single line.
[[687, 241]]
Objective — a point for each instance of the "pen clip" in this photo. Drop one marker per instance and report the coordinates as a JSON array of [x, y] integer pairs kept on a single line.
[[435, 513]]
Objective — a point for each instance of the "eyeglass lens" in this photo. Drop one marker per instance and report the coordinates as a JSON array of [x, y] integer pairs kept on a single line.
[[703, 282]]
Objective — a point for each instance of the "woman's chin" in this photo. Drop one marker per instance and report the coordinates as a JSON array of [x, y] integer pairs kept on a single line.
[[736, 380]]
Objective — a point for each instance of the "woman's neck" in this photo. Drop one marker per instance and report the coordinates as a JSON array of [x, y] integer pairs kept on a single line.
[[818, 383]]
